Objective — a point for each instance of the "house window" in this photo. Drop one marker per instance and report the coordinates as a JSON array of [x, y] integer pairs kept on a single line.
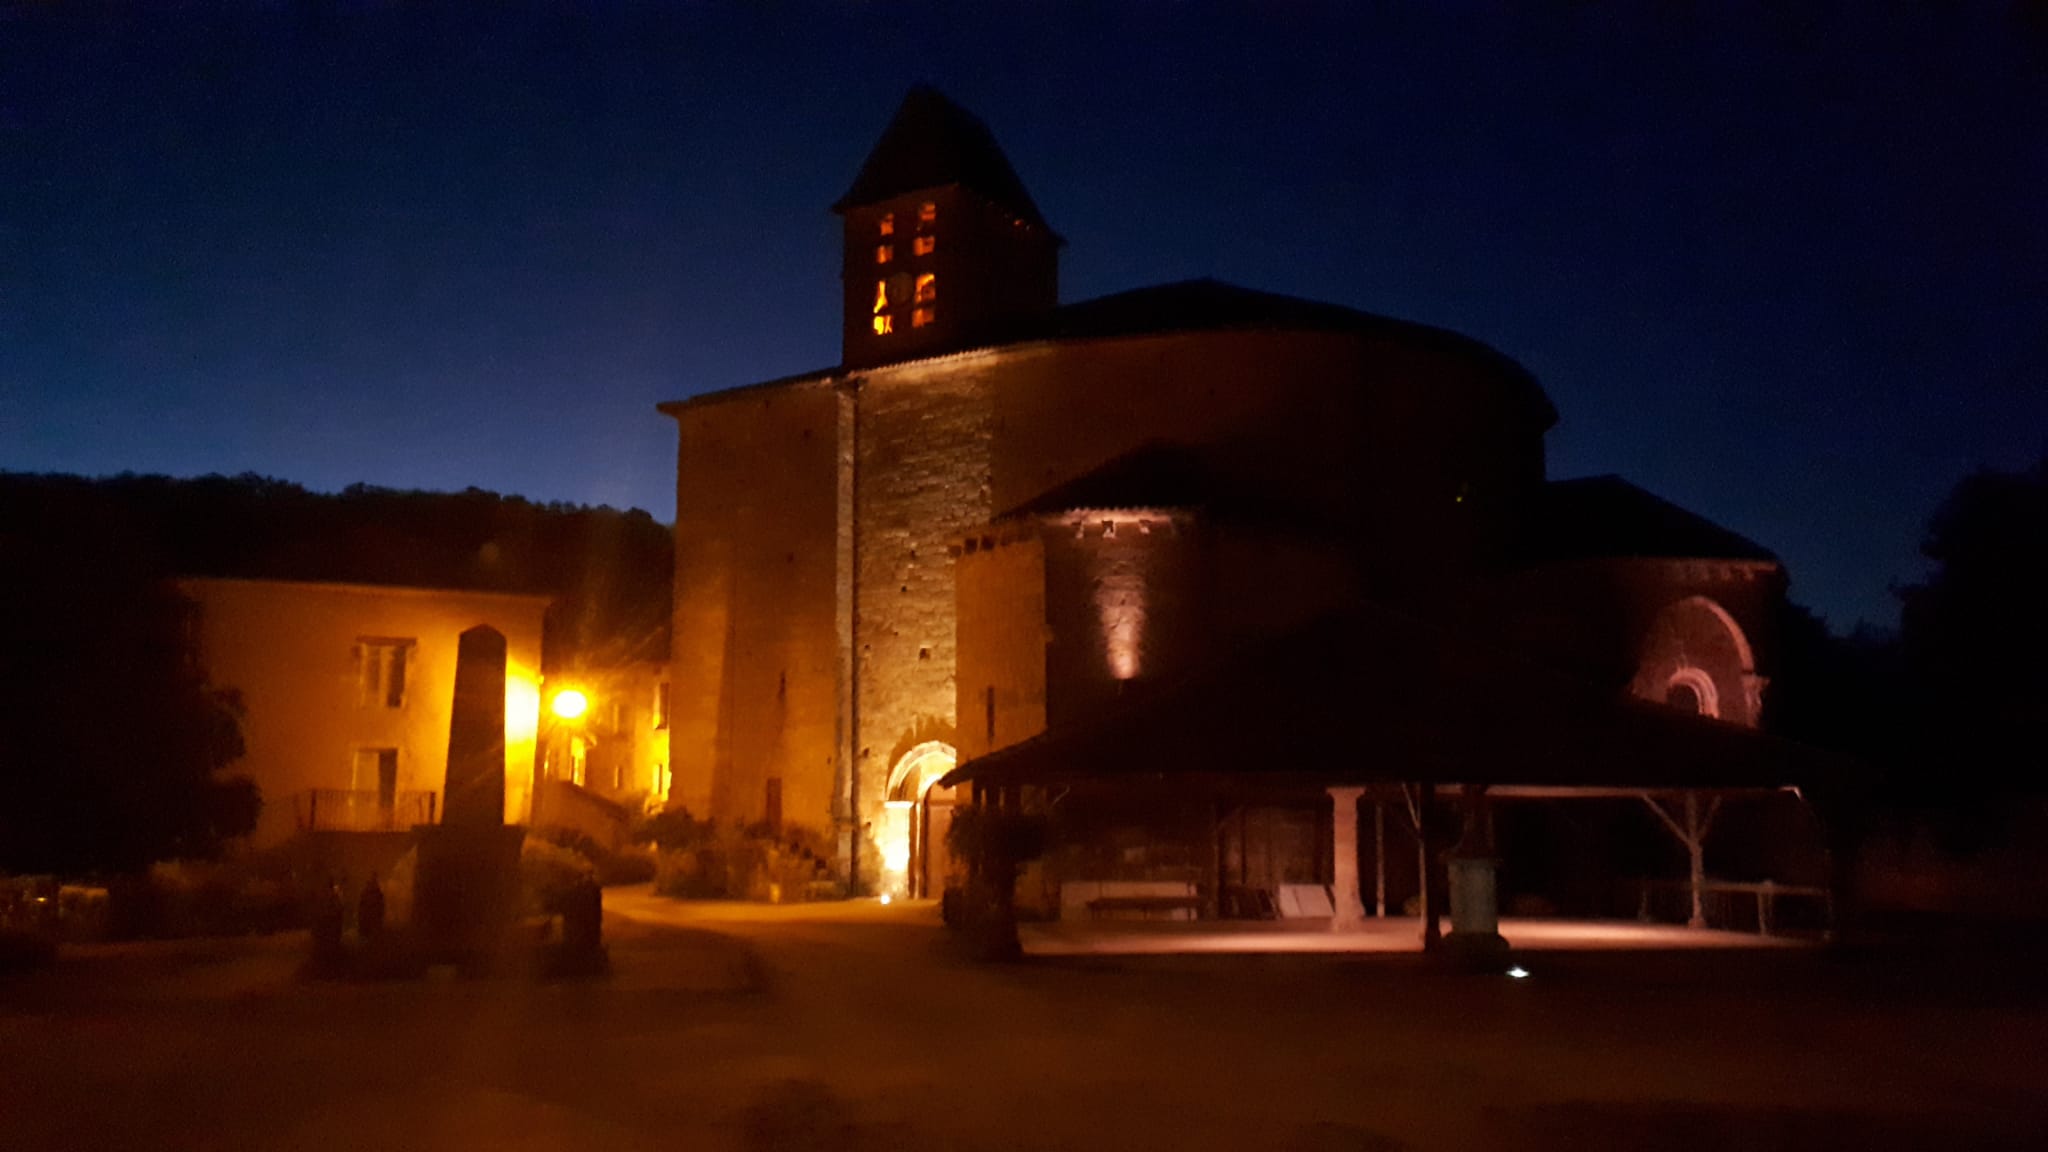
[[884, 253], [887, 225], [376, 773], [919, 317], [380, 672], [661, 705], [927, 212], [884, 325], [923, 245], [927, 289]]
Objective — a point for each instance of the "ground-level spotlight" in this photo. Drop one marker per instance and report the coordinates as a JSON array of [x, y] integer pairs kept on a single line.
[[1518, 972], [885, 898]]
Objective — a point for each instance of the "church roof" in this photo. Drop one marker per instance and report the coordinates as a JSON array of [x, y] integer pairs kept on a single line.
[[1205, 304], [931, 143], [1606, 517], [1208, 305], [1154, 475]]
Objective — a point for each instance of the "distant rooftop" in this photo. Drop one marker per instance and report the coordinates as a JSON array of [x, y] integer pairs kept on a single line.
[[932, 143], [1607, 517]]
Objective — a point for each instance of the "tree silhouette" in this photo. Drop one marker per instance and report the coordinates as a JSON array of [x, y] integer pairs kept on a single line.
[[112, 744], [1973, 634]]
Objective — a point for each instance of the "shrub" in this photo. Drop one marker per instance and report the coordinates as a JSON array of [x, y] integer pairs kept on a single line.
[[673, 830], [626, 866], [190, 898], [710, 862], [630, 865], [548, 873], [20, 951], [1014, 838]]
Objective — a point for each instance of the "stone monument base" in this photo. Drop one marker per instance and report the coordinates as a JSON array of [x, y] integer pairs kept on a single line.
[[1475, 941], [466, 894]]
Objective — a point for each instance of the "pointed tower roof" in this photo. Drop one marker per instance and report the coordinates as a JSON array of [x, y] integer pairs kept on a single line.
[[933, 142]]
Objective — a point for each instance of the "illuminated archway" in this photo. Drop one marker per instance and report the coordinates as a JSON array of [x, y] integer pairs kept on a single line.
[[1695, 657], [1692, 690], [915, 815]]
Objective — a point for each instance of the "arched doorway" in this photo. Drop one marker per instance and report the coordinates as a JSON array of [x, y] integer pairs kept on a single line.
[[918, 812]]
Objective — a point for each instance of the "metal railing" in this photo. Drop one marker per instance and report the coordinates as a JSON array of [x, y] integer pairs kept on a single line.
[[1764, 907], [347, 810]]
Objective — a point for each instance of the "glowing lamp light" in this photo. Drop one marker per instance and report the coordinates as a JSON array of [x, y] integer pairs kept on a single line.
[[896, 857], [1518, 972], [569, 704], [885, 899]]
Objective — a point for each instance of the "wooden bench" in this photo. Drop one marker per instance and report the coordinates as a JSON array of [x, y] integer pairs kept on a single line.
[[1102, 899], [1145, 904]]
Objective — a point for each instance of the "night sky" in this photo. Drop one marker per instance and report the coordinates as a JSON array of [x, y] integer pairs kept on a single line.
[[1789, 271]]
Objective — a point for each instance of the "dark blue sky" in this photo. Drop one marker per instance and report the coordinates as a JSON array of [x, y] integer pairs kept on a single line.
[[1791, 271]]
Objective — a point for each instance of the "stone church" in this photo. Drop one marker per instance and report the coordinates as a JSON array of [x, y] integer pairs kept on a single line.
[[1193, 532]]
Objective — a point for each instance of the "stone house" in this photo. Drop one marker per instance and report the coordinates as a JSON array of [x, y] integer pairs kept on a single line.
[[347, 691]]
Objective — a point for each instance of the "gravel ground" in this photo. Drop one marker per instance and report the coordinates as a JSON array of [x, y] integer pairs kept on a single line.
[[854, 1027]]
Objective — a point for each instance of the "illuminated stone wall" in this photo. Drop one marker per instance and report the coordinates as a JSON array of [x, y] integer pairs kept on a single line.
[[924, 437], [1617, 622], [755, 664], [290, 650], [1057, 611], [1123, 601], [1003, 639], [1694, 641], [814, 520]]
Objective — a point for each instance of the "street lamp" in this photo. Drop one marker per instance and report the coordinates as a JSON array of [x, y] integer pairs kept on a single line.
[[570, 704]]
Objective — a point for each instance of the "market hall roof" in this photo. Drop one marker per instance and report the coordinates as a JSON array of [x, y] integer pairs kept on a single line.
[[1378, 696], [1606, 517]]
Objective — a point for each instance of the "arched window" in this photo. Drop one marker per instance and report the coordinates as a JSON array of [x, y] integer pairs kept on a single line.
[[1691, 690], [1693, 656]]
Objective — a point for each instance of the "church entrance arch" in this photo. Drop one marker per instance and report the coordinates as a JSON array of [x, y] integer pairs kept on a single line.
[[918, 812]]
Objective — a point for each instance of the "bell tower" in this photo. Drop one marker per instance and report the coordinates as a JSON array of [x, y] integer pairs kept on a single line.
[[944, 249]]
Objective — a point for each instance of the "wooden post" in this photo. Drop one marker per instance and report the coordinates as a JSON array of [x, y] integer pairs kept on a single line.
[[1693, 834], [1347, 909], [1212, 908], [1420, 801], [1379, 858]]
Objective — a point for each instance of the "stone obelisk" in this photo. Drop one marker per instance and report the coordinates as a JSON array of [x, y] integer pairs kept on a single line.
[[467, 891]]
